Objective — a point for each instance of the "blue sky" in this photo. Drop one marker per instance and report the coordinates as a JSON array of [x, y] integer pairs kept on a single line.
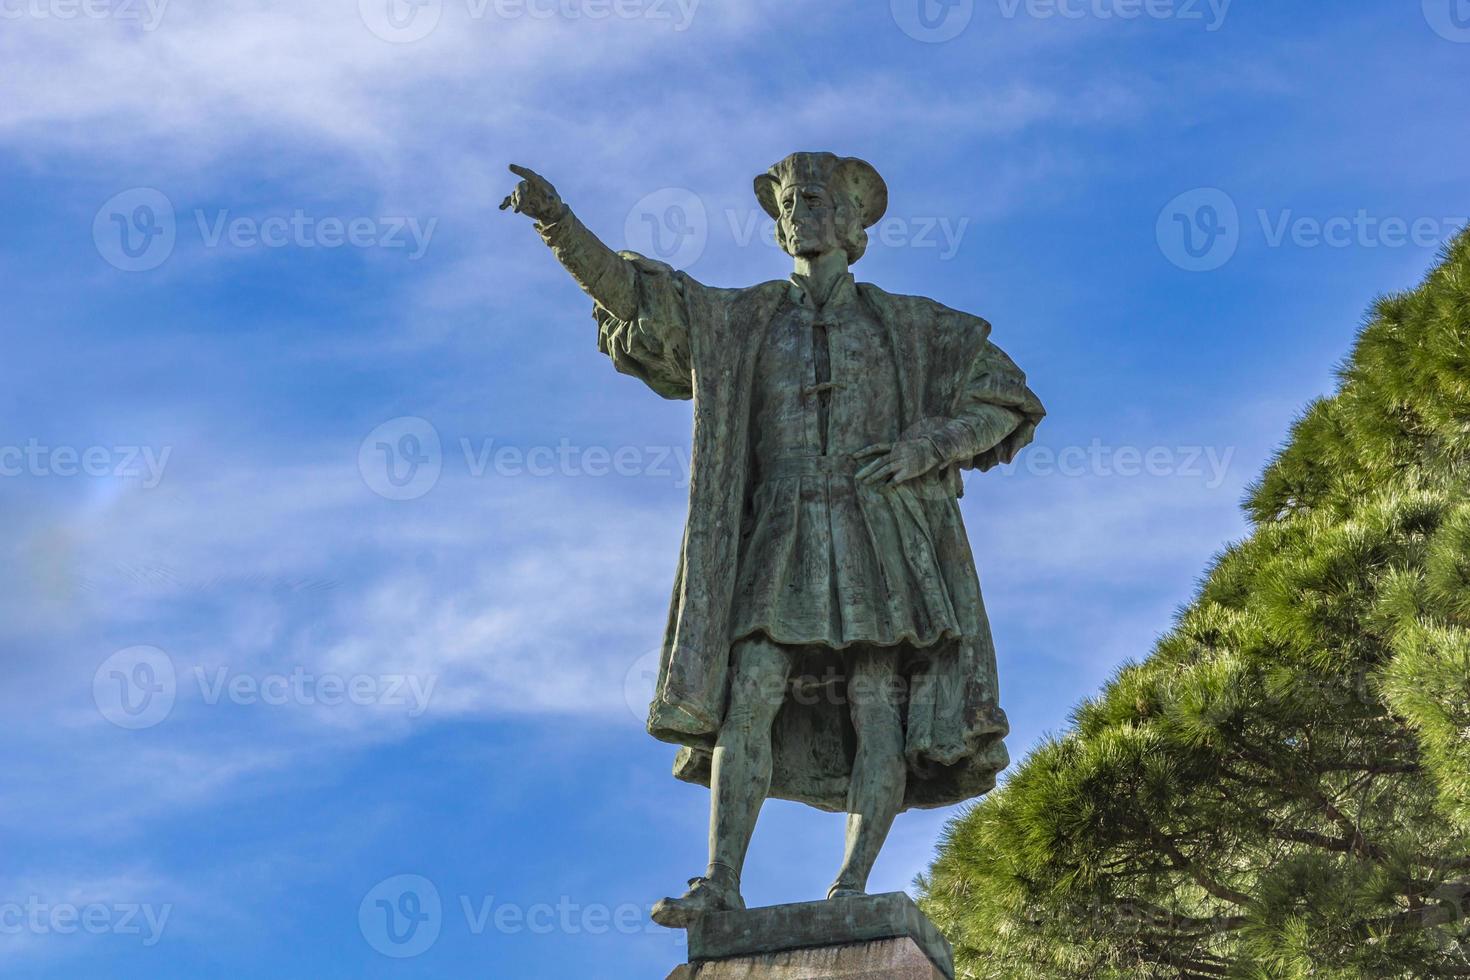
[[248, 241]]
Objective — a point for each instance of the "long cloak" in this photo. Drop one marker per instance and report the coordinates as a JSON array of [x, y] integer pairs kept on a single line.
[[691, 341]]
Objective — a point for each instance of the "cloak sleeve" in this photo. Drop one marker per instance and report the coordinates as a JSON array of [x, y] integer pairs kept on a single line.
[[996, 415], [640, 306], [653, 344]]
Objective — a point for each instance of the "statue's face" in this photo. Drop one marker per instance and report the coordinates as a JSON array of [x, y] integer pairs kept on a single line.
[[809, 220]]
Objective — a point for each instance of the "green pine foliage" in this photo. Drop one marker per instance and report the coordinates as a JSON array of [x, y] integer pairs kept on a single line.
[[1282, 789]]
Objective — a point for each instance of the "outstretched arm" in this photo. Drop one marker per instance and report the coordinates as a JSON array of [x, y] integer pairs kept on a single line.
[[602, 273], [642, 307]]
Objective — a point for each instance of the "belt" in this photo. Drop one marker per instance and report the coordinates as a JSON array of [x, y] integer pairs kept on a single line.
[[788, 466]]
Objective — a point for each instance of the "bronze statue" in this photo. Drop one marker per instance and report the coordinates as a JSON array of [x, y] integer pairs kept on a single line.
[[827, 641]]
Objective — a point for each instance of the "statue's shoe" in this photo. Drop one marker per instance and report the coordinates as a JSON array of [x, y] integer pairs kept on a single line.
[[840, 890], [703, 897]]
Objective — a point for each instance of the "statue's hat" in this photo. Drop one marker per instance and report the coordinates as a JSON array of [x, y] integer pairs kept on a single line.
[[856, 177]]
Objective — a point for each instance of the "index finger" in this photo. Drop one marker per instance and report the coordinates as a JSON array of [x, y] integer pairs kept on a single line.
[[874, 450], [521, 171]]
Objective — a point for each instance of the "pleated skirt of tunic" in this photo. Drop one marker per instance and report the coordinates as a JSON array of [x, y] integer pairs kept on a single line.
[[826, 561]]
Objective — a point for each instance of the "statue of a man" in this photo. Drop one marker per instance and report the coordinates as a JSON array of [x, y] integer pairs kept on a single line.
[[827, 642]]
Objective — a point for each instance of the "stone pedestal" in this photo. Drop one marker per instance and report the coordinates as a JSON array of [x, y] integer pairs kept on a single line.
[[874, 937]]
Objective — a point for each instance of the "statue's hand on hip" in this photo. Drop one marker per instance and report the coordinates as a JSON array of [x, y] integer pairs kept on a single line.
[[897, 463], [533, 196]]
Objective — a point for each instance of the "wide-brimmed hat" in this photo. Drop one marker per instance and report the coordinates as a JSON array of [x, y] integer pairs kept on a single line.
[[856, 177]]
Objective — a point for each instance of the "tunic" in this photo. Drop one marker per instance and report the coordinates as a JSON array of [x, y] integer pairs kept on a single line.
[[824, 560]]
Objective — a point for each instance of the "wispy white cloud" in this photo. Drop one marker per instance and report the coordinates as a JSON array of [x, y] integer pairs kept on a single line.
[[312, 569]]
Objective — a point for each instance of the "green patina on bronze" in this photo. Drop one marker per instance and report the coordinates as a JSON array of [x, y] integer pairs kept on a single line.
[[826, 641]]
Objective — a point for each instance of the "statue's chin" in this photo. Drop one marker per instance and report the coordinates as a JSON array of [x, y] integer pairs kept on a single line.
[[810, 251]]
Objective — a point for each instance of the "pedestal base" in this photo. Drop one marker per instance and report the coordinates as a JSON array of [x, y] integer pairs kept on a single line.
[[874, 937]]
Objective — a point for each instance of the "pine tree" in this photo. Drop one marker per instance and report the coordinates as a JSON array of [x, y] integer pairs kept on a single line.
[[1282, 789]]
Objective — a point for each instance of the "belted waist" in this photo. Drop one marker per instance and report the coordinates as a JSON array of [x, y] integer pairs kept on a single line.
[[841, 464]]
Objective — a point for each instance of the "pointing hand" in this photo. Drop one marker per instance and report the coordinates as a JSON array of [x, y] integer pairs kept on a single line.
[[533, 196]]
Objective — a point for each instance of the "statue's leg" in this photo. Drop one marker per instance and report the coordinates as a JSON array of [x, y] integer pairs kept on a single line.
[[879, 773], [759, 675], [741, 776]]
